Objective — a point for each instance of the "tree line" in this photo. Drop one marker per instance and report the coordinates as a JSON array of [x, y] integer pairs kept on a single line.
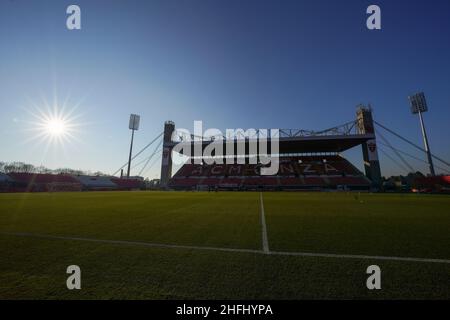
[[22, 167]]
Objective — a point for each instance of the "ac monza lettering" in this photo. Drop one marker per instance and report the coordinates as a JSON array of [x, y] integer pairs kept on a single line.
[[249, 169], [217, 169], [307, 168], [329, 168]]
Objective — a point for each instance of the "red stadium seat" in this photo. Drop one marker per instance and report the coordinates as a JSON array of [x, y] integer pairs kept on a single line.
[[34, 182], [301, 171]]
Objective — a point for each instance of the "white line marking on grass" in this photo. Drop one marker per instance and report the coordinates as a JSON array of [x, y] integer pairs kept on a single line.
[[357, 256], [265, 241], [133, 243], [279, 253]]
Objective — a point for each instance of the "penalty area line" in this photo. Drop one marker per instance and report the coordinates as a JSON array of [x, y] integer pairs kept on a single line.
[[235, 250]]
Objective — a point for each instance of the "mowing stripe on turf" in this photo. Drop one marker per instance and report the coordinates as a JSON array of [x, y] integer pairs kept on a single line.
[[279, 253], [265, 241]]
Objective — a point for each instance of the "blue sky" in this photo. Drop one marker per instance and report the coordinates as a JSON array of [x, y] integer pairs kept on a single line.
[[231, 64]]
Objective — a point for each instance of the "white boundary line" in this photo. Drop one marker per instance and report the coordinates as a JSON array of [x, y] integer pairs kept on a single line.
[[132, 243], [356, 256], [280, 253], [265, 241]]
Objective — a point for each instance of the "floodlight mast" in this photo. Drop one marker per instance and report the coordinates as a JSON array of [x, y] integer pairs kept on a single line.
[[418, 106], [427, 147], [133, 126]]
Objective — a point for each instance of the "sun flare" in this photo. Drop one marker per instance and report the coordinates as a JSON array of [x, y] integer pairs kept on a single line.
[[55, 126]]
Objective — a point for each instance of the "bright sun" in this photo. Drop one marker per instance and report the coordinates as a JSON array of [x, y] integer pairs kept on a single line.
[[56, 126], [53, 124]]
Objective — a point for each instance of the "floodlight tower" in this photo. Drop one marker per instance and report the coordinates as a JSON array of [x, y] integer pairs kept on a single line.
[[418, 106], [133, 125]]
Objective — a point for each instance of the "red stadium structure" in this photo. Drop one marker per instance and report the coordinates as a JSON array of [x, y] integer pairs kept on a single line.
[[307, 160], [439, 184], [40, 182], [306, 172], [31, 182], [127, 184]]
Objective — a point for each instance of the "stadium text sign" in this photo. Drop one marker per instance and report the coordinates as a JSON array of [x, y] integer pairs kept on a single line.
[[239, 145]]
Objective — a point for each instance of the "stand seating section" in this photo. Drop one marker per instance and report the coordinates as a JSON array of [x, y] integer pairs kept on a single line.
[[40, 182], [127, 184], [308, 171]]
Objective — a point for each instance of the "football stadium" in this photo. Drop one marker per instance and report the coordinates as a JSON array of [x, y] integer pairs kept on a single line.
[[358, 210], [308, 232]]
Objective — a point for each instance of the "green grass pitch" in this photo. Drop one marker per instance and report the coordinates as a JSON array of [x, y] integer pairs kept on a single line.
[[391, 225]]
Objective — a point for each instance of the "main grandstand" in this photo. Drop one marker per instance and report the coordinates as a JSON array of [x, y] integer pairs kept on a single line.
[[301, 172], [307, 161]]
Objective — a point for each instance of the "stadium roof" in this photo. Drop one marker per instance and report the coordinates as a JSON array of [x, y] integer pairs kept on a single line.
[[302, 144]]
